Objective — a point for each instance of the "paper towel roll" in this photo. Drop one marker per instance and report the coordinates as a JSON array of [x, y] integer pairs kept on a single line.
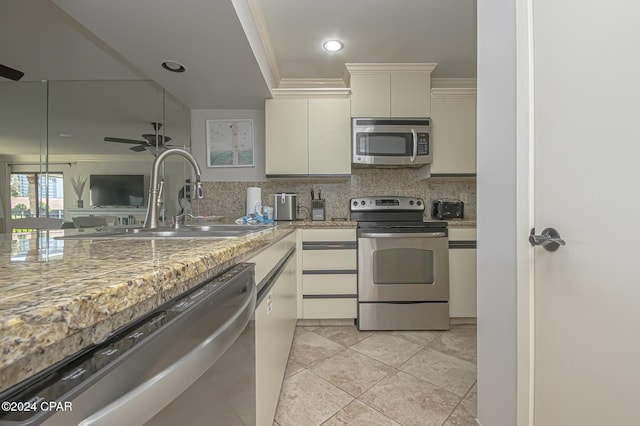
[[254, 200]]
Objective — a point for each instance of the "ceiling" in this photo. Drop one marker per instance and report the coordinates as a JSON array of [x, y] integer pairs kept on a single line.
[[235, 51]]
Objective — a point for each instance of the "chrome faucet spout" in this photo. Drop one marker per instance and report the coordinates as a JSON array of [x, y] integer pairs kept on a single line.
[[155, 189]]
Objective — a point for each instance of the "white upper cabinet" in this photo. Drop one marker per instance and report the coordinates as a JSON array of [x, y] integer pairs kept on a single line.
[[287, 150], [453, 131], [390, 90], [329, 137], [308, 136]]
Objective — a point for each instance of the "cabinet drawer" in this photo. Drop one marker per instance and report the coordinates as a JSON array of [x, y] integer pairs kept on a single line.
[[329, 308], [267, 259], [328, 235], [462, 234], [329, 284], [328, 259]]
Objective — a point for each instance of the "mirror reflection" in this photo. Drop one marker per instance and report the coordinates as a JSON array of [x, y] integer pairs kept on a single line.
[[71, 150]]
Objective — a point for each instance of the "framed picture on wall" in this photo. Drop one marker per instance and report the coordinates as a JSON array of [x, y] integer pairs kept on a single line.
[[230, 143]]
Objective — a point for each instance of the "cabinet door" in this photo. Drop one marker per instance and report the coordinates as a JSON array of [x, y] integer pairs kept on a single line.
[[453, 130], [329, 137], [370, 95], [462, 283], [410, 95], [286, 137], [275, 320]]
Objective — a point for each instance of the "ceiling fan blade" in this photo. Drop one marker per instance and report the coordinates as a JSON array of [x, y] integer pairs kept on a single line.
[[120, 140], [10, 73], [138, 148], [151, 139]]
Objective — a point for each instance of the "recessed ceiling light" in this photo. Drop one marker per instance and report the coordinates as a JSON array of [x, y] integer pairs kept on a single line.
[[333, 45], [173, 66]]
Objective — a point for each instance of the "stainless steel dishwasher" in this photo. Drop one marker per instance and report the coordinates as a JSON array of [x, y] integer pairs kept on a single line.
[[189, 362]]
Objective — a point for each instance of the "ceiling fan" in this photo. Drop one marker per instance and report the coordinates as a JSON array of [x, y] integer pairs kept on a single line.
[[10, 73], [151, 140]]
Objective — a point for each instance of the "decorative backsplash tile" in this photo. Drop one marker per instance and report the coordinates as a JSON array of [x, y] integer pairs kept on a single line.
[[228, 198]]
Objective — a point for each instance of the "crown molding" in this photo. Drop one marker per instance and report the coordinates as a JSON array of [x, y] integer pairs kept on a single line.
[[312, 92], [454, 82], [305, 83], [263, 33], [386, 68], [453, 93]]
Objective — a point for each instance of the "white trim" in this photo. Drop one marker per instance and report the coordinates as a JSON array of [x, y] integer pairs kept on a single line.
[[304, 83], [252, 20], [525, 212], [454, 82], [454, 93], [386, 68], [312, 92]]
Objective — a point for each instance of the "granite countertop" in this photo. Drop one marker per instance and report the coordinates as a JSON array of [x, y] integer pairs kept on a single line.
[[59, 296], [462, 223], [321, 224]]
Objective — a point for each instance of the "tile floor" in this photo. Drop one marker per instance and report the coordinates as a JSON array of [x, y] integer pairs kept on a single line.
[[338, 375]]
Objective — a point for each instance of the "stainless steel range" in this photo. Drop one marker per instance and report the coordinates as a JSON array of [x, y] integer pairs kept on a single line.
[[403, 265]]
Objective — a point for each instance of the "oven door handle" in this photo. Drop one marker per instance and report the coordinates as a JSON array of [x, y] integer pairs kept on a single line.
[[403, 234], [414, 151]]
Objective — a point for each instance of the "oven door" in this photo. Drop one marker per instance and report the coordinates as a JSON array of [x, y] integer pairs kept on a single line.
[[403, 267]]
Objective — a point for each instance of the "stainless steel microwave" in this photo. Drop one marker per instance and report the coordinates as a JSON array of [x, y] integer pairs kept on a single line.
[[399, 142]]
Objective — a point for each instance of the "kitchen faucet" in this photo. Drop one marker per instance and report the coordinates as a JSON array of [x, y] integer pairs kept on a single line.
[[155, 189]]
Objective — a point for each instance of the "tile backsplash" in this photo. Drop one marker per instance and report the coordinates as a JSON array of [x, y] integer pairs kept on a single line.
[[228, 199]]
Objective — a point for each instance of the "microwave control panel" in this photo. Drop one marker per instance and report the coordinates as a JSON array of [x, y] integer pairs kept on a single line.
[[423, 143]]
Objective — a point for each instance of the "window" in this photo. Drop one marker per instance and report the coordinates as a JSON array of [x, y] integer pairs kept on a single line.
[[37, 195]]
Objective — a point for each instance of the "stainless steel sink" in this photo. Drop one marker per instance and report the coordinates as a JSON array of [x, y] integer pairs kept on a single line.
[[185, 231]]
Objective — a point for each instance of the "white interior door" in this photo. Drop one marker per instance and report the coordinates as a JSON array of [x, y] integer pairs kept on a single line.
[[587, 179]]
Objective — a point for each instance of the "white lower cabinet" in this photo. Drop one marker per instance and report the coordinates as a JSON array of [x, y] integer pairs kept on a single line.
[[275, 321], [462, 273], [329, 274]]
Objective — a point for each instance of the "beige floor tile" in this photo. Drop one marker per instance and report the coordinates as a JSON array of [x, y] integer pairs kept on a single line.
[[473, 393], [306, 399], [464, 414], [454, 374], [359, 414], [411, 401], [336, 322], [459, 341], [352, 371], [309, 348], [308, 323], [345, 336], [386, 348], [420, 338], [292, 368], [302, 330]]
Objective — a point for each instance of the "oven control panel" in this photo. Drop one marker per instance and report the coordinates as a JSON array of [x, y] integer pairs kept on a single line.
[[386, 204]]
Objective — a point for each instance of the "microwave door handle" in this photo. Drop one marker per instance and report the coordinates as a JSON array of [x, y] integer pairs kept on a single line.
[[414, 150]]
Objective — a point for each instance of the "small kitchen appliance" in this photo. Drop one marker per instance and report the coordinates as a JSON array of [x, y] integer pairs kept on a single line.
[[446, 209], [317, 207], [285, 205], [403, 265], [391, 142]]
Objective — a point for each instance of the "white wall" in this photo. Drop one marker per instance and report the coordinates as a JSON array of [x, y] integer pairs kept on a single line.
[[496, 211], [199, 147]]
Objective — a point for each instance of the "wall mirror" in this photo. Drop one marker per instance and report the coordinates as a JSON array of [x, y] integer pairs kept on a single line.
[[58, 138]]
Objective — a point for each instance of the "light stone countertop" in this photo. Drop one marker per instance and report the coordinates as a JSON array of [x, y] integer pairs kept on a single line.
[[60, 296]]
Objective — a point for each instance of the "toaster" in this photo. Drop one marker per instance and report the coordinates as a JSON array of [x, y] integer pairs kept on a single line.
[[447, 209]]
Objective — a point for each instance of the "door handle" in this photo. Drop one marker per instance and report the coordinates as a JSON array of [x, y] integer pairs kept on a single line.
[[549, 239]]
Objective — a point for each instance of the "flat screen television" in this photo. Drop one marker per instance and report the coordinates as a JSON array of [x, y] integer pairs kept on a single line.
[[116, 190]]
